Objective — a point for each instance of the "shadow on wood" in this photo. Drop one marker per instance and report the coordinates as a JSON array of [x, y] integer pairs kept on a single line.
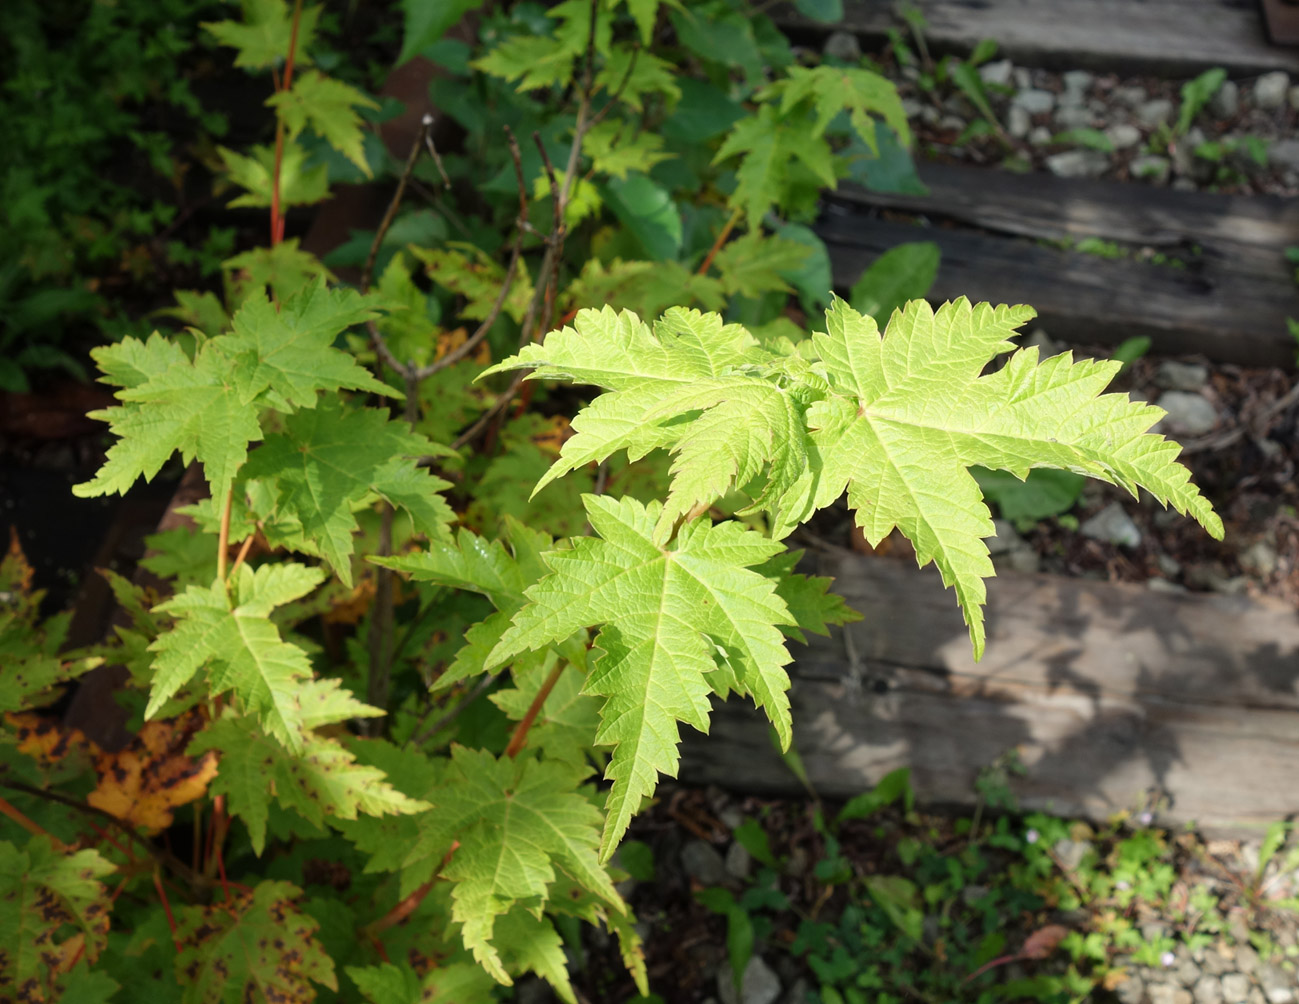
[[1114, 696]]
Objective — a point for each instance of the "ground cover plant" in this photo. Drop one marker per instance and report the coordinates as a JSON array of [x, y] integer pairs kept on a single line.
[[379, 756]]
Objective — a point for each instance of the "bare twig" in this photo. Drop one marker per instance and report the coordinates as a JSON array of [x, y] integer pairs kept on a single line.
[[1218, 440], [433, 151], [520, 737], [367, 273]]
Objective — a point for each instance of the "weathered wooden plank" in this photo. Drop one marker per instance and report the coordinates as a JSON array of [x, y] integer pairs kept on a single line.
[[1168, 37], [1226, 315], [1111, 694], [1237, 233]]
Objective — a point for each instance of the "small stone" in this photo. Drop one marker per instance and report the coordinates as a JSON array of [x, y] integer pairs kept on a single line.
[[1077, 80], [1123, 135], [1070, 853], [1168, 993], [1073, 117], [1235, 988], [1188, 414], [1173, 375], [1292, 96], [1034, 102], [1255, 996], [1158, 585], [1040, 136], [1171, 567], [738, 860], [1134, 96], [1078, 164], [1278, 985], [1023, 79], [1071, 99], [1226, 102], [1188, 973], [911, 107], [1155, 113], [1208, 990], [1114, 526], [1131, 991], [1184, 185], [843, 46], [760, 985], [971, 894], [1151, 168], [731, 816], [951, 123], [930, 115], [998, 73], [1046, 345], [1018, 122], [1284, 154], [1009, 550], [1246, 959], [1260, 558], [1270, 90], [703, 864], [911, 72], [797, 993]]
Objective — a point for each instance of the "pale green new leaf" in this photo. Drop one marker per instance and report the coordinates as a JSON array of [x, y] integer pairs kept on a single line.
[[234, 637], [286, 351], [909, 413], [615, 148], [641, 368], [301, 184], [678, 624], [321, 783], [329, 461], [328, 106], [171, 405], [519, 823], [48, 898]]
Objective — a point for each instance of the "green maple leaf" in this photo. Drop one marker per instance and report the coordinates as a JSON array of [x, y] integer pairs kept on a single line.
[[832, 89], [811, 604], [172, 405], [754, 264], [301, 183], [679, 624], [641, 369], [519, 825], [447, 983], [615, 149], [233, 636], [285, 352], [330, 461], [263, 36], [767, 145], [255, 946], [321, 783], [328, 106], [47, 895], [909, 413]]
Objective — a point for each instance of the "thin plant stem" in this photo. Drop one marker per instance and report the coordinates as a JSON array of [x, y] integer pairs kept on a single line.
[[411, 903], [223, 538], [520, 737], [166, 908], [284, 84], [720, 242], [7, 808]]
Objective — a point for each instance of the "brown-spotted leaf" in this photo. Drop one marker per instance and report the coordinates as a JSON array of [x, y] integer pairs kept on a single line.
[[1043, 941], [142, 784], [256, 947], [53, 914]]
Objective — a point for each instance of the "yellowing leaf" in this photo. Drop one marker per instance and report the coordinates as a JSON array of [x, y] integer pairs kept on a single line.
[[144, 782], [262, 37]]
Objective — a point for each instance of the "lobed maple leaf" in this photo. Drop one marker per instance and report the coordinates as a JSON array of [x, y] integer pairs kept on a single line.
[[262, 37], [329, 461], [328, 106], [863, 94], [678, 624], [909, 413], [321, 783], [257, 945], [519, 823], [55, 913], [231, 634], [755, 263]]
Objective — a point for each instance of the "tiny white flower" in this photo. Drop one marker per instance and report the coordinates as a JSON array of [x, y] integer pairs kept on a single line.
[[1146, 818], [1168, 958], [1031, 836]]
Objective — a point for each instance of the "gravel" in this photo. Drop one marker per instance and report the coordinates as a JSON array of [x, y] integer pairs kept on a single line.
[[1208, 990], [843, 46], [1173, 375], [1151, 168], [1235, 988], [760, 984], [1226, 102], [1188, 414], [1113, 526], [703, 864], [1155, 113], [998, 73], [1078, 164], [1270, 90], [1034, 102], [1123, 135], [1018, 122], [1284, 154]]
